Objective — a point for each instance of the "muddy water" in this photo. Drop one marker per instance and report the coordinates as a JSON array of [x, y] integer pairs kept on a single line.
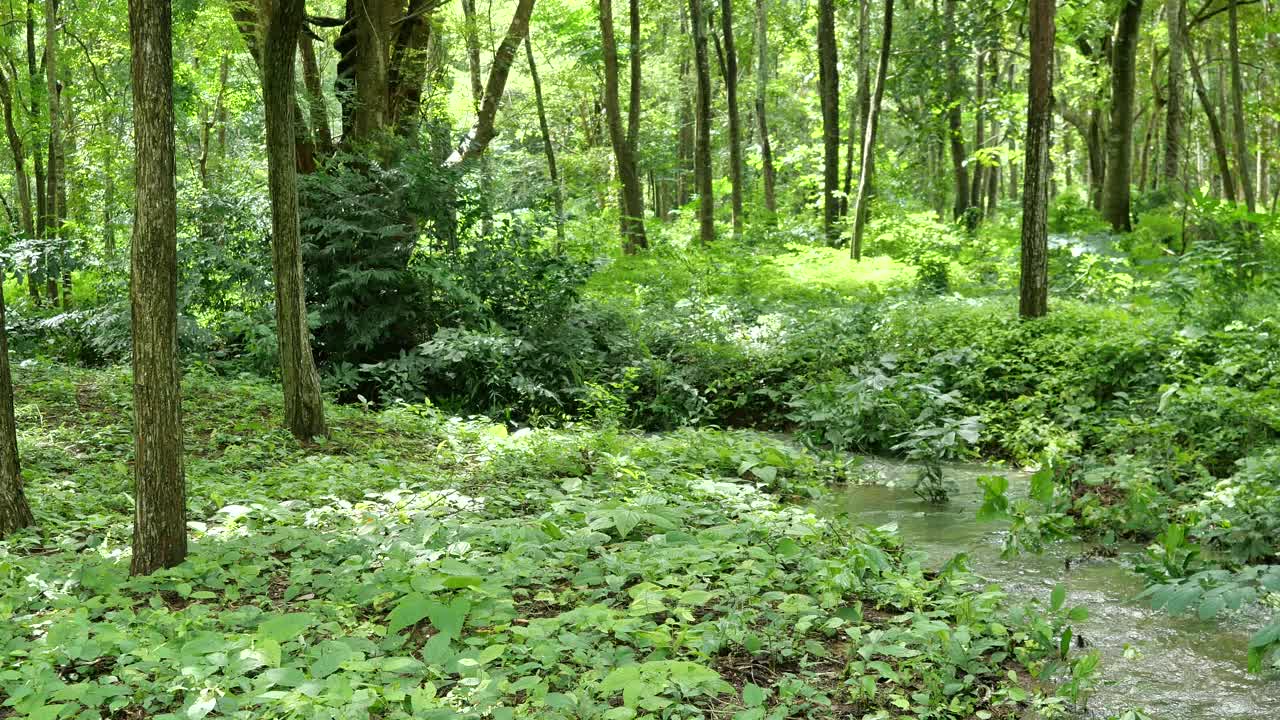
[[1178, 668]]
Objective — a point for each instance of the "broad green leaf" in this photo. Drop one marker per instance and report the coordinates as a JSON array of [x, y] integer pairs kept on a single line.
[[282, 628], [411, 609]]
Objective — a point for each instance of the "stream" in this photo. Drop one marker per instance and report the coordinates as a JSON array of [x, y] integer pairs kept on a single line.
[[1184, 669]]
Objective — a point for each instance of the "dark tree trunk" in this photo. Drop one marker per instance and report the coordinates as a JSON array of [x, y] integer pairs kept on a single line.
[[1115, 191], [979, 136], [1227, 179], [55, 195], [955, 118], [869, 137], [478, 139], [859, 103], [303, 402], [762, 101], [39, 266], [1034, 285], [702, 135], [15, 514], [829, 95], [735, 124], [1237, 110], [19, 159], [315, 96], [548, 148], [1175, 20], [159, 523], [631, 196]]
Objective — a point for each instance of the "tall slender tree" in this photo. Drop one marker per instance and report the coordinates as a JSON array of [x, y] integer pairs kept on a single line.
[[624, 151], [1034, 284], [545, 128], [762, 102], [303, 401], [1175, 21], [735, 126], [1124, 55], [159, 522], [829, 96], [15, 514], [1226, 178], [1238, 130], [955, 115], [869, 137], [702, 134]]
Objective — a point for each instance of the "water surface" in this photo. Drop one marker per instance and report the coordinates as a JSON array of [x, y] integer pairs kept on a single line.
[[1184, 669]]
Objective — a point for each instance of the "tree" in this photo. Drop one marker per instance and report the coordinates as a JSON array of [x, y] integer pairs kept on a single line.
[[1115, 187], [762, 101], [482, 132], [1237, 108], [303, 402], [702, 133], [829, 95], [1175, 21], [955, 117], [545, 128], [159, 524], [869, 136], [735, 126], [15, 514], [1216, 136], [624, 142], [1034, 285]]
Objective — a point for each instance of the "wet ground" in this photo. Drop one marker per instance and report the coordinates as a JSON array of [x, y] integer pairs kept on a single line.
[[1174, 668]]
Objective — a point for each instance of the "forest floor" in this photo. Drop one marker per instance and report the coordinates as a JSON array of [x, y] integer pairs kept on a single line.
[[419, 565]]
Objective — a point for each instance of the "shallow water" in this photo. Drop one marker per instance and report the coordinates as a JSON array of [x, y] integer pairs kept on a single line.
[[1185, 669]]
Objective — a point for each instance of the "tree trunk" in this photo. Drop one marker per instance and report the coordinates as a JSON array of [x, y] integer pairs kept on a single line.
[[1237, 110], [735, 125], [15, 514], [159, 525], [829, 95], [865, 167], [303, 403], [1175, 20], [859, 102], [39, 265], [1115, 191], [762, 100], [631, 196], [545, 128], [979, 137], [993, 172], [482, 133], [955, 118], [315, 95], [19, 159], [1226, 178], [702, 134], [1034, 285]]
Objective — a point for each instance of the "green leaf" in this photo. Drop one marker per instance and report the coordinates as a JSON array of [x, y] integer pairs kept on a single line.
[[411, 609], [625, 520], [282, 628], [1057, 597], [752, 695], [448, 619]]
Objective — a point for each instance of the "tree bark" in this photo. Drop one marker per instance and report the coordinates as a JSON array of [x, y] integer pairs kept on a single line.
[[829, 95], [979, 136], [1175, 20], [955, 118], [1227, 178], [735, 123], [482, 132], [19, 159], [865, 167], [1115, 191], [1237, 110], [762, 101], [15, 513], [303, 402], [315, 96], [702, 133], [859, 102], [39, 266], [159, 525], [632, 193], [548, 148], [1034, 284]]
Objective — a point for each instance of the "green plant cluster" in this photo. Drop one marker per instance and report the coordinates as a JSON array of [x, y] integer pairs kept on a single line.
[[446, 568]]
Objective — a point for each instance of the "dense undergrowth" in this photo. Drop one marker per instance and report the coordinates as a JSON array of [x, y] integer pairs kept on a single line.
[[418, 565]]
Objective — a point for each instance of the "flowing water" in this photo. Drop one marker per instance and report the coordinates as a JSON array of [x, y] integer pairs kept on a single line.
[[1179, 667]]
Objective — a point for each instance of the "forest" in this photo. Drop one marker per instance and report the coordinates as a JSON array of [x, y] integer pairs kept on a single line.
[[657, 360]]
